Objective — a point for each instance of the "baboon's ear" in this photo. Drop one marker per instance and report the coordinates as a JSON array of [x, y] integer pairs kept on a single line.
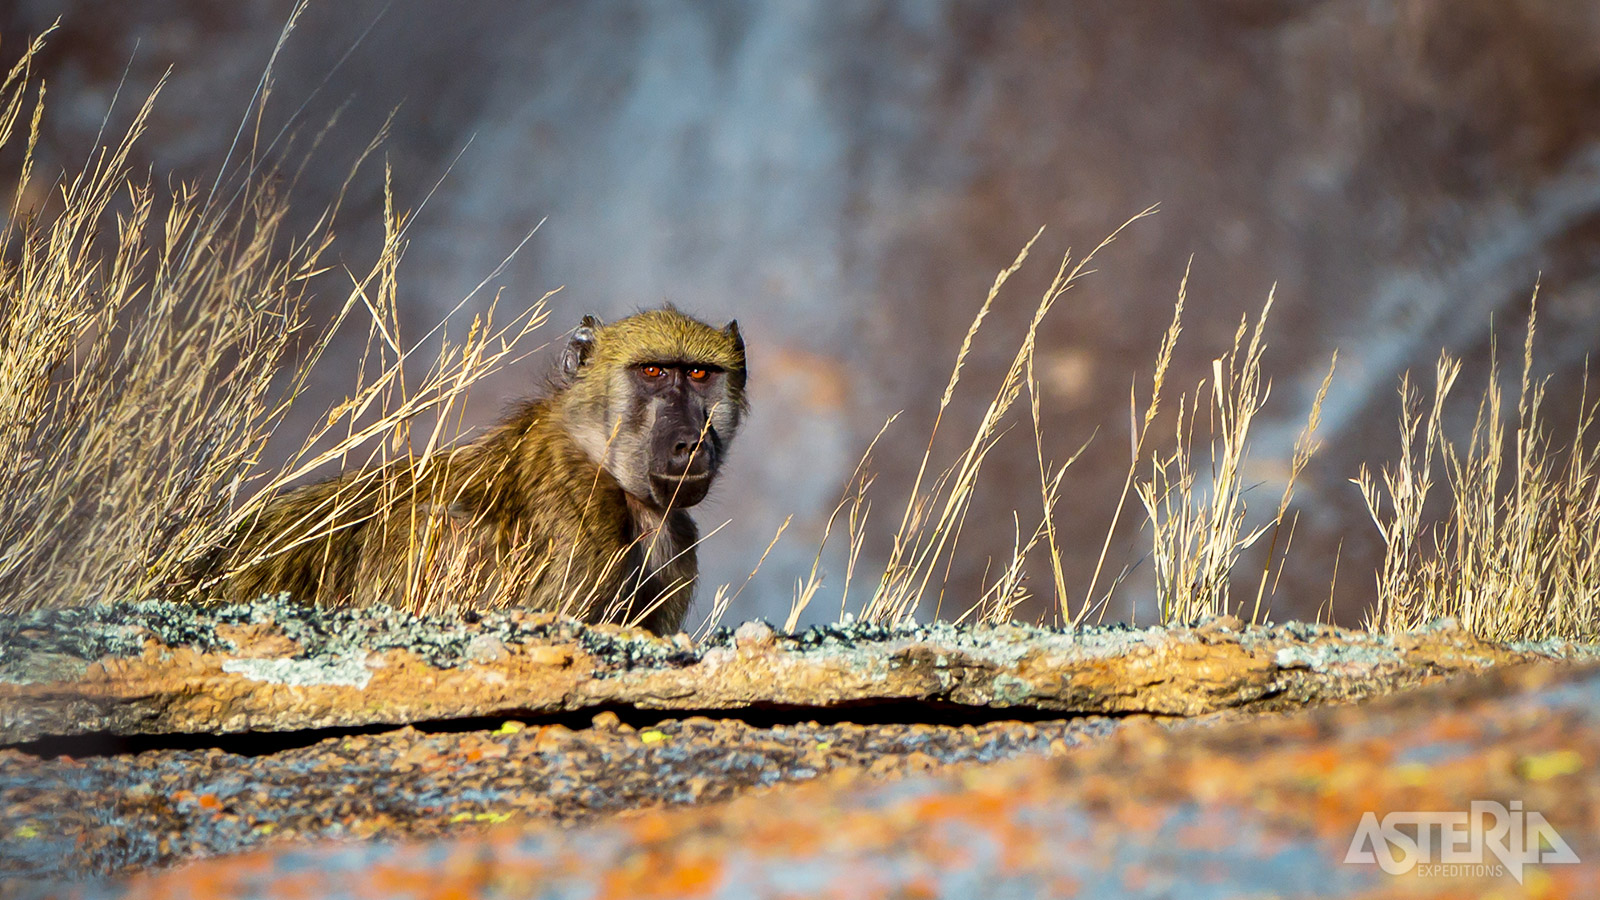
[[742, 376], [580, 348]]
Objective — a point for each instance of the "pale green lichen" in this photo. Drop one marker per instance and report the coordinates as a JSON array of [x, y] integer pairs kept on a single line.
[[41, 668], [1320, 656], [1010, 690], [338, 670]]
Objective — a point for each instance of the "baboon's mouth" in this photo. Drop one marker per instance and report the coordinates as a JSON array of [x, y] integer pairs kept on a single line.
[[679, 491]]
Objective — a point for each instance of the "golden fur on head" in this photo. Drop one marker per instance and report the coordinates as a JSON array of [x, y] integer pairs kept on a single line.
[[574, 503], [667, 335]]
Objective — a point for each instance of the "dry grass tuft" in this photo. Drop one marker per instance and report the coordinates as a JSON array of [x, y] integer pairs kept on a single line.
[[136, 368], [1514, 557], [143, 368], [1198, 529], [1197, 519], [927, 539]]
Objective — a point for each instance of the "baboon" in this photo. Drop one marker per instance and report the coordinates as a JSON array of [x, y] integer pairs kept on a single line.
[[575, 502]]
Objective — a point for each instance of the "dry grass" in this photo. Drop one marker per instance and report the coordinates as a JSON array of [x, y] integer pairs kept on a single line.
[[1198, 528], [1197, 518], [136, 368], [152, 342], [146, 359], [927, 540], [1514, 555]]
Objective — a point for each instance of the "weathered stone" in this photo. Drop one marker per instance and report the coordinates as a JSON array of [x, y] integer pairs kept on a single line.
[[74, 818], [275, 665], [1270, 807]]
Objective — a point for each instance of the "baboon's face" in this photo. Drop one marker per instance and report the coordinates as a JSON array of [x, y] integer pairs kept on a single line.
[[678, 403], [658, 407]]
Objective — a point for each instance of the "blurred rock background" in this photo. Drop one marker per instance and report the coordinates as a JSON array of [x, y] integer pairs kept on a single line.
[[847, 177]]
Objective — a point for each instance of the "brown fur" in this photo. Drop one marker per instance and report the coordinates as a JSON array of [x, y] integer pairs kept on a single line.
[[545, 511]]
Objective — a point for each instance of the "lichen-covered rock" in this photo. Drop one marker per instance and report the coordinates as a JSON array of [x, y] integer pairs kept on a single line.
[[69, 818], [1270, 807], [275, 665]]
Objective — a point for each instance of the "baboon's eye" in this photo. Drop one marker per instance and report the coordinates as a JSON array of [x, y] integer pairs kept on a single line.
[[699, 374], [653, 371]]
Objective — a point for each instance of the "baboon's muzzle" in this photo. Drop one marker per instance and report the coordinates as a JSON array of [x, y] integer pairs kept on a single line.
[[685, 463]]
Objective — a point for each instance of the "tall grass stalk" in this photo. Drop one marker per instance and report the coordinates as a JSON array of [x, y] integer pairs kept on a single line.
[[1197, 518], [1514, 555], [925, 544]]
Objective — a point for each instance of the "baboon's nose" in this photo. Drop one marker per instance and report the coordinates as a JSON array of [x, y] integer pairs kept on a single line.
[[690, 456], [680, 473]]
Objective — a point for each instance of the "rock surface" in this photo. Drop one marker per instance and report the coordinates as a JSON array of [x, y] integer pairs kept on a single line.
[[71, 818], [1264, 808], [155, 668]]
